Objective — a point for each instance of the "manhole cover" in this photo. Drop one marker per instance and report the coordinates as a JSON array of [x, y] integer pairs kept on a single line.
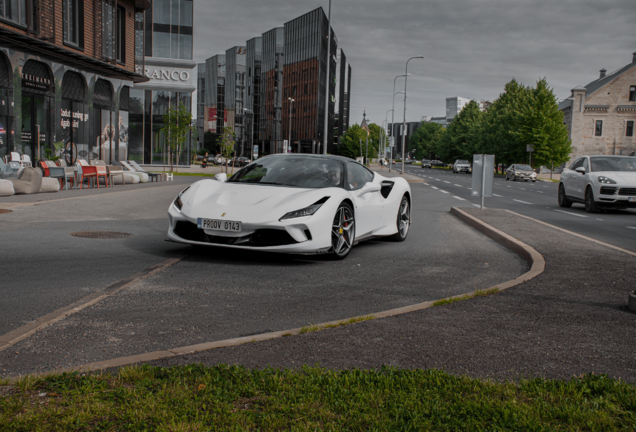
[[2, 211], [105, 235]]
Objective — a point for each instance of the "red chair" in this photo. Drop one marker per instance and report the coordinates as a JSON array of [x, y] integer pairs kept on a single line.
[[102, 171], [87, 171], [45, 168]]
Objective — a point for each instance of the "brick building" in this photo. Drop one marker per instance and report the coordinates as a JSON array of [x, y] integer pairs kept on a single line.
[[66, 70], [600, 117]]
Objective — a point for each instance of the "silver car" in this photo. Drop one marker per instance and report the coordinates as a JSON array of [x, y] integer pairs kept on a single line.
[[599, 182], [462, 165], [521, 172]]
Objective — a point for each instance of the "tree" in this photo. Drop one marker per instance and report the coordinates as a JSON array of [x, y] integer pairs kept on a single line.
[[542, 127], [177, 127], [226, 144], [421, 142], [350, 144]]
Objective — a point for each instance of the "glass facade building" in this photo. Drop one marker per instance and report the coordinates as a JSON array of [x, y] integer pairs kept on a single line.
[[272, 90], [343, 86], [235, 61], [254, 58], [173, 78], [201, 88], [214, 115]]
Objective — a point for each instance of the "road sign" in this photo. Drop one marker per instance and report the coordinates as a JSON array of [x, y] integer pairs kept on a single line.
[[255, 152], [483, 176], [285, 146], [530, 148]]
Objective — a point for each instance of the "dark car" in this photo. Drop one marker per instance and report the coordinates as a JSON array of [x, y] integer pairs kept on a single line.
[[521, 172], [426, 163], [435, 163]]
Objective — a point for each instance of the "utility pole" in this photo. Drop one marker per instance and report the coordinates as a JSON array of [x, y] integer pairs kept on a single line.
[[328, 84], [406, 72]]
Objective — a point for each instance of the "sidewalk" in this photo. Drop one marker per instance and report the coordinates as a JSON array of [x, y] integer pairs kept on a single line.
[[568, 321]]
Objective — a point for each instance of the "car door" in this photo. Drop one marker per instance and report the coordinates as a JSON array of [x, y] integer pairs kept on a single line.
[[368, 206], [578, 179], [568, 178], [510, 172]]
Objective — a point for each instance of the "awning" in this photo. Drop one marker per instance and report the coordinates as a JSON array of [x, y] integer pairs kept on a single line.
[[49, 51]]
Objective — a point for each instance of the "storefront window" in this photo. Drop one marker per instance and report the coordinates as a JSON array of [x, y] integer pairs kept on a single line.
[[136, 126]]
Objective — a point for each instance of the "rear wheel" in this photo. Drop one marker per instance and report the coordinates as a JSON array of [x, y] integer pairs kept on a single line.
[[590, 205], [343, 232], [563, 199], [403, 220]]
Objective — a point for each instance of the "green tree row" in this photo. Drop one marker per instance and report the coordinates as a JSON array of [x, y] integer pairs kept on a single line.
[[521, 116], [354, 141]]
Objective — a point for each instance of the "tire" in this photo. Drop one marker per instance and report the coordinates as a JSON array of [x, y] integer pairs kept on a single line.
[[590, 205], [343, 232], [507, 177], [403, 220], [563, 198]]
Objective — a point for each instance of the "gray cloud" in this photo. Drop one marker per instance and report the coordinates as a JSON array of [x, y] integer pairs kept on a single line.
[[472, 47]]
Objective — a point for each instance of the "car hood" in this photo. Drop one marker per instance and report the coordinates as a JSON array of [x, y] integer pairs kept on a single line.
[[617, 176], [248, 202]]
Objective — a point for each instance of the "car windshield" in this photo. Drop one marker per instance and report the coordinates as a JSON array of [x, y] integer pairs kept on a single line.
[[295, 171], [425, 161], [608, 163], [523, 167], [462, 162]]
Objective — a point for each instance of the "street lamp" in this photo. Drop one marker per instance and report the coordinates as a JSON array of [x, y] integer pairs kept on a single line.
[[386, 120], [404, 127], [249, 111], [291, 101], [393, 118]]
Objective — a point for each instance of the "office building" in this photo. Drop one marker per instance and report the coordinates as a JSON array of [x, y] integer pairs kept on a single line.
[[454, 106], [214, 116], [254, 59], [235, 61], [172, 74], [343, 86], [271, 133], [66, 78], [396, 130], [200, 105], [306, 82]]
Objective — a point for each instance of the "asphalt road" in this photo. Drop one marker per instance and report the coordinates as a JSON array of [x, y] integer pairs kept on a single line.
[[213, 294], [537, 200]]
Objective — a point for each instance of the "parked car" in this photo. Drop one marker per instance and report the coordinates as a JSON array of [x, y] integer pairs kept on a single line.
[[599, 182], [521, 172], [436, 163], [426, 163], [462, 165]]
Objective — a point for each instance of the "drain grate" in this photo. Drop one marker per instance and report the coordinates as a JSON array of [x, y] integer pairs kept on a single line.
[[102, 235], [2, 211]]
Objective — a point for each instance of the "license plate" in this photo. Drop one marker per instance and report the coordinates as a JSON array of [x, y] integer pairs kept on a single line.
[[219, 225], [632, 199]]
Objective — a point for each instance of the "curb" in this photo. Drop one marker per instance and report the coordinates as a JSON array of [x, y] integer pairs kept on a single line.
[[15, 336], [533, 257]]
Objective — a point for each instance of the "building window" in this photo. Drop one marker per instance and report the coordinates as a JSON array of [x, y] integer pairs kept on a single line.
[[632, 93], [13, 10], [598, 131], [109, 18], [629, 131], [121, 34], [73, 20]]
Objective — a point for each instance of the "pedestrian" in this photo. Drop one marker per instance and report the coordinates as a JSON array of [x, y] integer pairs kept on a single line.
[[204, 162]]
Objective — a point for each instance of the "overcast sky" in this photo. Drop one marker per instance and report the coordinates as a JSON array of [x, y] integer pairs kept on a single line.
[[472, 47]]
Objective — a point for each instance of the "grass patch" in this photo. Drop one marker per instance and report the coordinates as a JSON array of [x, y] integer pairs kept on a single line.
[[478, 293], [200, 398], [313, 328]]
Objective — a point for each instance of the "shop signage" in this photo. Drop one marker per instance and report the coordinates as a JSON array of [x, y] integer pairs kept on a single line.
[[36, 82], [168, 74], [75, 117]]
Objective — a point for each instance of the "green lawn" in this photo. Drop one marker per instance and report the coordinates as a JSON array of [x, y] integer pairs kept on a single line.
[[200, 398]]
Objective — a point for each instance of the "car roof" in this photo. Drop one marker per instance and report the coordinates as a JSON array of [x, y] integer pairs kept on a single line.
[[310, 155]]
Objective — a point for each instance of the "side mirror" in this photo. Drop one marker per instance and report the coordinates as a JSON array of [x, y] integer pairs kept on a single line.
[[580, 170], [221, 177], [370, 188]]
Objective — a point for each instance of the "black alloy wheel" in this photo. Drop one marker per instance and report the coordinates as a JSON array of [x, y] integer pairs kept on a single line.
[[343, 231], [507, 177], [563, 199], [403, 220], [590, 205]]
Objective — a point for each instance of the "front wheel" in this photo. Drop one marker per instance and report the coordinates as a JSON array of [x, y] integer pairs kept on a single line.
[[343, 231], [403, 220], [563, 199], [590, 205]]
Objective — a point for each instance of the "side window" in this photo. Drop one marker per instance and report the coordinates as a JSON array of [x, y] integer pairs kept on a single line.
[[577, 163], [586, 165], [357, 176]]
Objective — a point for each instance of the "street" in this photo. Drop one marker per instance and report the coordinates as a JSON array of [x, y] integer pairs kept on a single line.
[[537, 200]]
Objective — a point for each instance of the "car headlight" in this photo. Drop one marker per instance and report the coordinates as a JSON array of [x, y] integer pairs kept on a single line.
[[605, 180], [177, 202], [307, 211], [533, 175]]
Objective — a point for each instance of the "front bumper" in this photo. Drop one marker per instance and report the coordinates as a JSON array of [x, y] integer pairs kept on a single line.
[[306, 235], [616, 196]]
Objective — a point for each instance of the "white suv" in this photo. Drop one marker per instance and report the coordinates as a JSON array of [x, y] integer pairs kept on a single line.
[[462, 165], [599, 182]]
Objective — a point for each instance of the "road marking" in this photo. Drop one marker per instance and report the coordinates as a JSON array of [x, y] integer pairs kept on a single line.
[[458, 185], [539, 191], [462, 199], [508, 186], [435, 187], [446, 182], [572, 214], [498, 196], [477, 205], [523, 202], [602, 220], [634, 228], [522, 188], [443, 191]]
